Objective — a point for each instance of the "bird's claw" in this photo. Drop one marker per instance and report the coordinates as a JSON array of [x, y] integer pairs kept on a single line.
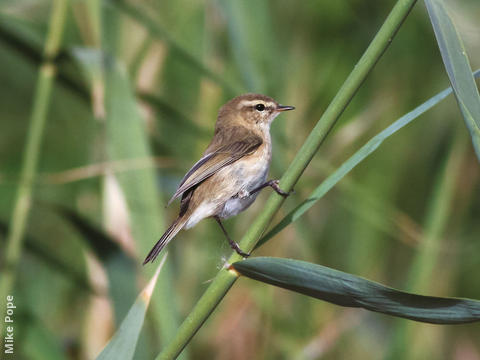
[[276, 187]]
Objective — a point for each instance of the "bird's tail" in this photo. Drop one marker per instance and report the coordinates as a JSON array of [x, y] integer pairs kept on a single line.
[[176, 226]]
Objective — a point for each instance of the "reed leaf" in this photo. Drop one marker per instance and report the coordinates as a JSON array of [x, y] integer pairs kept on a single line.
[[123, 343], [458, 68], [119, 267], [126, 139], [344, 289], [157, 31]]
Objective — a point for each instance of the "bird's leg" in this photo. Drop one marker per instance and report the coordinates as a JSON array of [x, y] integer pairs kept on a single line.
[[232, 243], [274, 185]]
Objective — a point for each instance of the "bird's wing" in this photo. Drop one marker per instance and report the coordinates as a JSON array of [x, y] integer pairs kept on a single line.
[[217, 159]]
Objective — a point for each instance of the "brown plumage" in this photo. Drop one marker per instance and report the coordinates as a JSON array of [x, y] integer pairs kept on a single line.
[[234, 167]]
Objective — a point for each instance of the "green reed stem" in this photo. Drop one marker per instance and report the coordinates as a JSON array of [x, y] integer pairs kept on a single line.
[[18, 221], [225, 278]]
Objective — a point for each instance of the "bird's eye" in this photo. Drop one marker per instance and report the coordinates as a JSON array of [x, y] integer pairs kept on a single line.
[[260, 107]]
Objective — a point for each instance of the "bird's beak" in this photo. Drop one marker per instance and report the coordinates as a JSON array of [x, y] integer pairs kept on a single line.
[[285, 108]]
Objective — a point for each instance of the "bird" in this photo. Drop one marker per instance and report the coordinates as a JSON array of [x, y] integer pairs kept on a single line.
[[233, 169]]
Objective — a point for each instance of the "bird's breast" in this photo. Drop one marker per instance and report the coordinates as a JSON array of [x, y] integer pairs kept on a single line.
[[245, 175], [251, 171]]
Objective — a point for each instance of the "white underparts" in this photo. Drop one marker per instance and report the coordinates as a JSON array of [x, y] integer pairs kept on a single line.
[[234, 182]]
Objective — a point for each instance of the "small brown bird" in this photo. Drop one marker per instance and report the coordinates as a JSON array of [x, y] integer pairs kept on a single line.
[[233, 169]]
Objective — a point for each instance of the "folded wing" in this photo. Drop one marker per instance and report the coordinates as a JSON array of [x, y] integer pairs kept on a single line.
[[238, 143]]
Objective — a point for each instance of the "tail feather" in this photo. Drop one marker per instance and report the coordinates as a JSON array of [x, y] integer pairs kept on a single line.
[[176, 226]]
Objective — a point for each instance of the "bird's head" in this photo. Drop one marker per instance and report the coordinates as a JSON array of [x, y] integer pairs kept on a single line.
[[251, 110]]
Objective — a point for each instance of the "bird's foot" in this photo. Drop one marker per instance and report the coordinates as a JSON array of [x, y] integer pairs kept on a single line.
[[237, 249], [274, 185]]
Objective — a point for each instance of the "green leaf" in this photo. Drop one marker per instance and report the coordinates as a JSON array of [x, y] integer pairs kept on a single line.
[[119, 267], [123, 343], [167, 111], [249, 30], [127, 138], [354, 160], [157, 31], [39, 342], [348, 290], [52, 260], [458, 68]]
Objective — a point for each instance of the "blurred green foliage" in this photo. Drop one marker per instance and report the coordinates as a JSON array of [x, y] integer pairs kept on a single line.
[[181, 61]]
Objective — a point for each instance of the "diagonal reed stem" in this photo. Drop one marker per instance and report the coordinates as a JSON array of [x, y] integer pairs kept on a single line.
[[18, 221], [225, 278]]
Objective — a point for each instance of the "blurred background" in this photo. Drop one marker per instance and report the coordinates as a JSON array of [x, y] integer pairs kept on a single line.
[[134, 104]]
